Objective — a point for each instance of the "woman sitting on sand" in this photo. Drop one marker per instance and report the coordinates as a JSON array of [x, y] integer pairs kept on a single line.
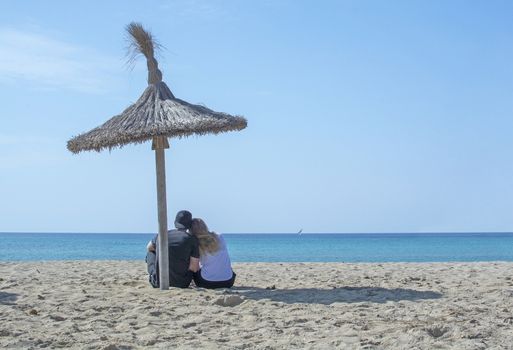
[[215, 266]]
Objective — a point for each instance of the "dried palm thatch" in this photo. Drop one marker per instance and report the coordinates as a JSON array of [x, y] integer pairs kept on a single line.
[[156, 113]]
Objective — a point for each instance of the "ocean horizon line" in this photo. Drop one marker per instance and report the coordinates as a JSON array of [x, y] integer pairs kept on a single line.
[[270, 233]]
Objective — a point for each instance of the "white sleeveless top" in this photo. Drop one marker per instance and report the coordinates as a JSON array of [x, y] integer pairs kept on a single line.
[[216, 266]]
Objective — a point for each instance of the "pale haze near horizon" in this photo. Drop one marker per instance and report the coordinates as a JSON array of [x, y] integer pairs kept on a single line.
[[362, 116]]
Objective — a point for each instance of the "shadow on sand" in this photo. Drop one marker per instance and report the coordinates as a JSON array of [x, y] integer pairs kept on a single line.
[[336, 295], [8, 298]]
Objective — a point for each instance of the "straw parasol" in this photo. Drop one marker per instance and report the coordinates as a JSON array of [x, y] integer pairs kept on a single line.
[[156, 115]]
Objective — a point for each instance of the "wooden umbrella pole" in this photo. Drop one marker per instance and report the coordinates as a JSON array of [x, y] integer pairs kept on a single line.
[[159, 145]]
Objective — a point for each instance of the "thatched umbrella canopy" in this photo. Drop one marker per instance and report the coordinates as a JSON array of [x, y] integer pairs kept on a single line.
[[156, 115]]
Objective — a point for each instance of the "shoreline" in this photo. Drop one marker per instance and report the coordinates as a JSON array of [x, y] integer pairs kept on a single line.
[[57, 261], [109, 305]]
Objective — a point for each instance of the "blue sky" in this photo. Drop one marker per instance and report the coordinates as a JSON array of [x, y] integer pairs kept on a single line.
[[364, 116]]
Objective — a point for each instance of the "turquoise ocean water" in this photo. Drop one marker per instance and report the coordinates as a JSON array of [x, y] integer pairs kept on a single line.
[[271, 247]]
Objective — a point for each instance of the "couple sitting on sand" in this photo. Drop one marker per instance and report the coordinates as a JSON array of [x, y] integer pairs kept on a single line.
[[194, 253]]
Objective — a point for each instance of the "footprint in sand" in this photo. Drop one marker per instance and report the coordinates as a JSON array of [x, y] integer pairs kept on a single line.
[[229, 300], [437, 331], [57, 318]]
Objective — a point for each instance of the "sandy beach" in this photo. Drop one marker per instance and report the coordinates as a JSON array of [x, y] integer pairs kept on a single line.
[[110, 305]]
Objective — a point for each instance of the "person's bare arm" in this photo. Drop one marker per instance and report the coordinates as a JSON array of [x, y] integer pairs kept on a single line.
[[194, 264], [150, 246]]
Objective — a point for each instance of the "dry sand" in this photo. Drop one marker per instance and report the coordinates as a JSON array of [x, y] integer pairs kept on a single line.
[[110, 305]]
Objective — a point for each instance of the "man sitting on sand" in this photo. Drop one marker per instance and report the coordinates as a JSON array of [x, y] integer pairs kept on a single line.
[[183, 254]]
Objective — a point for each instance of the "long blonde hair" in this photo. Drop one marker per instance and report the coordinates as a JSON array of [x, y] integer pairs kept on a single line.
[[208, 241]]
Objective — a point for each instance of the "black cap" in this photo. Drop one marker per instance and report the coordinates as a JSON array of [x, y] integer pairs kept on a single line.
[[183, 219]]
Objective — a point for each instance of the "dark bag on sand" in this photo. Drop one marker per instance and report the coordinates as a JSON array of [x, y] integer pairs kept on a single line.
[[153, 269]]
